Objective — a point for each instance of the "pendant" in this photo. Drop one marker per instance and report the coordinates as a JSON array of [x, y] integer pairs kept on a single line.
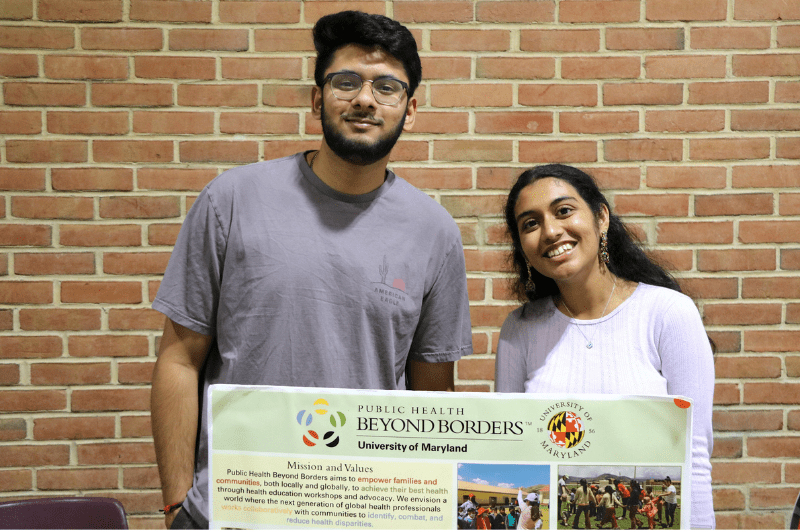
[[589, 345]]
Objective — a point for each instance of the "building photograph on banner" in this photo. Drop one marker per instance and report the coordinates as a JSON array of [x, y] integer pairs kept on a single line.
[[286, 457]]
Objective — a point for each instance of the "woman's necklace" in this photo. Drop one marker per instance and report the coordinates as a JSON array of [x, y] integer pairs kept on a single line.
[[589, 344]]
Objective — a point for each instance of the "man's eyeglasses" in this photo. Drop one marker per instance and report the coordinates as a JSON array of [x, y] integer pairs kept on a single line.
[[347, 85]]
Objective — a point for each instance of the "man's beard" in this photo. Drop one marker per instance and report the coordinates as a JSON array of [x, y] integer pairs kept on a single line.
[[355, 152]]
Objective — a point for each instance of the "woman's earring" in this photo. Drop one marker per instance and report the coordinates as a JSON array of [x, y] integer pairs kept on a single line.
[[529, 285], [604, 248]]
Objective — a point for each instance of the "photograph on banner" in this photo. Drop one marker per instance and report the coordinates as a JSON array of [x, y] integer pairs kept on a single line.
[[494, 491], [285, 457], [648, 486]]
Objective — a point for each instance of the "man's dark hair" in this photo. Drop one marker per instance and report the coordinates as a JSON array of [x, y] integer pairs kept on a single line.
[[333, 31]]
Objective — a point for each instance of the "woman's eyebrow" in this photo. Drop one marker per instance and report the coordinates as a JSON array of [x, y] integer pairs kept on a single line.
[[552, 203]]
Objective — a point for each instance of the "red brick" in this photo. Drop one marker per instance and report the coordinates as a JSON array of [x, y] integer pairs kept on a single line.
[[128, 39], [472, 95], [136, 373], [442, 11], [765, 120], [32, 400], [686, 10], [44, 94], [208, 39], [22, 179], [559, 95], [9, 375], [489, 315], [559, 40], [409, 151], [793, 421], [766, 65], [777, 393], [111, 400], [136, 426], [52, 151], [283, 40], [748, 420], [165, 67], [439, 178], [726, 341], [547, 151], [514, 122], [747, 367], [746, 473], [25, 292], [726, 394], [243, 95], [71, 373], [56, 319], [766, 10], [163, 122], [15, 480], [469, 232], [85, 67], [516, 11], [132, 263], [262, 68], [218, 151], [644, 39], [771, 287], [761, 341], [73, 428], [106, 123], [129, 151], [135, 319], [787, 148], [682, 67], [593, 67], [671, 205], [686, 177], [81, 10], [170, 11], [695, 232], [725, 38], [705, 93], [107, 346], [92, 179], [469, 40], [785, 91], [34, 456], [486, 260], [642, 94], [143, 207], [571, 11], [515, 68], [74, 479], [13, 235], [473, 368], [286, 95], [131, 95], [145, 503], [710, 287], [788, 36], [644, 149], [280, 148], [141, 477], [736, 260], [771, 498], [734, 204], [684, 120], [41, 37], [598, 122], [726, 314], [472, 150], [18, 65], [790, 259], [16, 9], [12, 347], [793, 317], [116, 453], [109, 236], [728, 148], [789, 203], [769, 231], [251, 12], [101, 292], [728, 499], [52, 207], [774, 447], [441, 122], [177, 179]]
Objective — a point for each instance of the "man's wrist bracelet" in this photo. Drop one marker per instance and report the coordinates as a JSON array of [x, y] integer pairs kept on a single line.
[[169, 508]]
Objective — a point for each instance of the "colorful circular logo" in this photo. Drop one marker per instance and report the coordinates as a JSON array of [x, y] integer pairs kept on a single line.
[[566, 429], [319, 409]]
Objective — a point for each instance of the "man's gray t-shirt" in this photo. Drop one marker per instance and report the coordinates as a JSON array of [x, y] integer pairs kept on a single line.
[[301, 285]]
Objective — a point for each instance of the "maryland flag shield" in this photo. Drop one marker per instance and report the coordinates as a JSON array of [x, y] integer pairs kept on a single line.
[[566, 429]]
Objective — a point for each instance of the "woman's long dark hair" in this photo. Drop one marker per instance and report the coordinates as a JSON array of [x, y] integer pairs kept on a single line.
[[585, 486], [627, 258]]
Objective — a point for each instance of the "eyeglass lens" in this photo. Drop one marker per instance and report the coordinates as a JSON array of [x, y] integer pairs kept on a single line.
[[385, 90]]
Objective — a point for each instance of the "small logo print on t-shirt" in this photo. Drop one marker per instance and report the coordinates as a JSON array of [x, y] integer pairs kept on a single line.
[[393, 293]]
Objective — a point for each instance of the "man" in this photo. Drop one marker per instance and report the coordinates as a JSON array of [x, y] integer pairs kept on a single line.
[[321, 269], [670, 497]]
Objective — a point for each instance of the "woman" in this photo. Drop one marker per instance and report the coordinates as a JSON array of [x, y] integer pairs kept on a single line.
[[609, 504], [601, 317], [584, 498]]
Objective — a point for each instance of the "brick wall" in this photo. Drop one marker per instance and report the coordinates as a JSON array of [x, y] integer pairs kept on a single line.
[[115, 113]]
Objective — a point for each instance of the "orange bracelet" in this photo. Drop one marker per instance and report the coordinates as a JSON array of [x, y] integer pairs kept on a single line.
[[168, 509]]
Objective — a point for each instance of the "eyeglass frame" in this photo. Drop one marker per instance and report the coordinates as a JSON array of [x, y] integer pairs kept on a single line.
[[372, 88]]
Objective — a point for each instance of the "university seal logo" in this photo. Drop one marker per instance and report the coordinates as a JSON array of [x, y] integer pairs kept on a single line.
[[566, 429], [318, 413]]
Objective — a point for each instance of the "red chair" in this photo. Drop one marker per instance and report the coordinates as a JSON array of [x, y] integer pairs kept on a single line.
[[63, 512]]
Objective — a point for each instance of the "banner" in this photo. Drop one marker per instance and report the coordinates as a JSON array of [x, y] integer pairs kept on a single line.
[[284, 457]]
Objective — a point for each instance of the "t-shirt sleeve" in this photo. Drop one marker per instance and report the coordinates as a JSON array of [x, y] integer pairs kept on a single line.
[[511, 364], [444, 332], [189, 291], [687, 363]]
